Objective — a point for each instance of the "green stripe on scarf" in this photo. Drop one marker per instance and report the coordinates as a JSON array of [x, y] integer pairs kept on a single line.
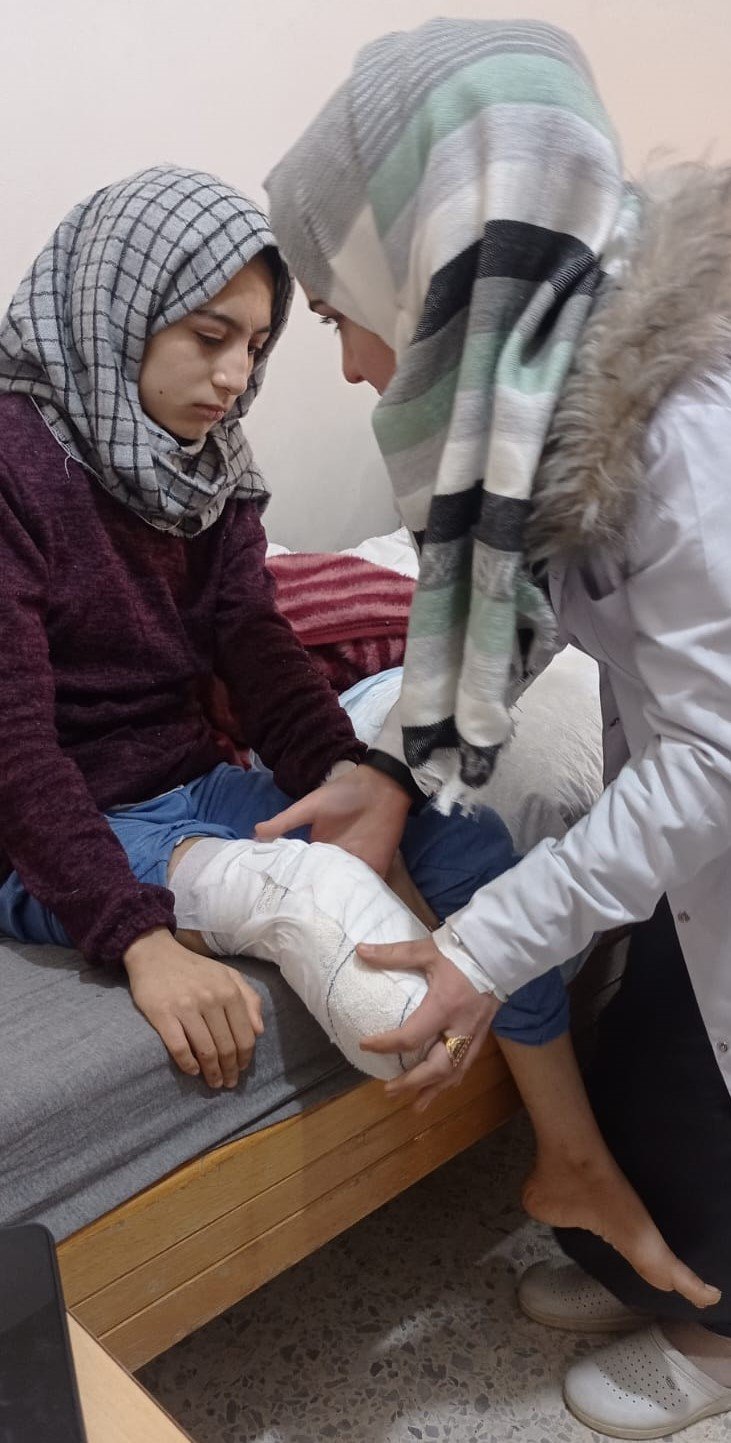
[[441, 610], [492, 625], [400, 426], [500, 80]]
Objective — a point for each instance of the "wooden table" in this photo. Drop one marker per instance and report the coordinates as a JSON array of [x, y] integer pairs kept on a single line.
[[116, 1409]]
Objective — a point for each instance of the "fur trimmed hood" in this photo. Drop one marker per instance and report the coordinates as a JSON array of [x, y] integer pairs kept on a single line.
[[666, 319]]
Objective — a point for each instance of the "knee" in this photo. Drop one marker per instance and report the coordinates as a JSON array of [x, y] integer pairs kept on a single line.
[[450, 858], [485, 843]]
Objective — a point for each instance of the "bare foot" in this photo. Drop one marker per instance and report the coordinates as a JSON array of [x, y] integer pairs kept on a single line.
[[595, 1195]]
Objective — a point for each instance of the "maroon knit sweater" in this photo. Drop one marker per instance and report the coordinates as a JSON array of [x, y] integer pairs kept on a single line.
[[107, 628]]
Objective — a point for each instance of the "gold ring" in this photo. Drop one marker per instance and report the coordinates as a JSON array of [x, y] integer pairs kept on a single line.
[[457, 1047]]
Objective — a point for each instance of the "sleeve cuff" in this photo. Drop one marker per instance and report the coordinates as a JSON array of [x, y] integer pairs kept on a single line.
[[153, 907], [339, 769], [451, 945]]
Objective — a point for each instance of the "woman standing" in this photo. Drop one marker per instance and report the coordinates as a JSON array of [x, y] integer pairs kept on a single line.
[[552, 352]]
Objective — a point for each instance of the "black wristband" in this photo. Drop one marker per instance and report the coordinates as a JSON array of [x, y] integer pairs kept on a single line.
[[398, 772]]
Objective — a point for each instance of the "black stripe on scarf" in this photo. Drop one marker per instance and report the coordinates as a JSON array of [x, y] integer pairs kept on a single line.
[[499, 521], [502, 521], [419, 742], [513, 250], [476, 763], [452, 516]]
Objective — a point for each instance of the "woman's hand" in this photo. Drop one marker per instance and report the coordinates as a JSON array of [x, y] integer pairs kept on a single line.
[[206, 1014], [452, 1006], [363, 811]]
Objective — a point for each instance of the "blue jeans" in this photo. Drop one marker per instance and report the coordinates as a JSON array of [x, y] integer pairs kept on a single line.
[[448, 858]]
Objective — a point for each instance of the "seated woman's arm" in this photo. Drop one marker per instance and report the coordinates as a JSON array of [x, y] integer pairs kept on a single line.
[[67, 857], [289, 713], [51, 830]]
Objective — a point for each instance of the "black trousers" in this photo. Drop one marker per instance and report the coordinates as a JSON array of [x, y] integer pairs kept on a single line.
[[665, 1113]]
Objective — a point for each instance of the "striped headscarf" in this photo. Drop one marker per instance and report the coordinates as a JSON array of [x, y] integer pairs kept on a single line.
[[455, 196], [124, 264]]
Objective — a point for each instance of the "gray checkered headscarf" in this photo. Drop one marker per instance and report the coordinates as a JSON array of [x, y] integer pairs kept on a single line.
[[124, 264]]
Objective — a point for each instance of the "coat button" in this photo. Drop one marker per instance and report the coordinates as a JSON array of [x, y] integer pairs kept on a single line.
[[683, 916], [722, 1046]]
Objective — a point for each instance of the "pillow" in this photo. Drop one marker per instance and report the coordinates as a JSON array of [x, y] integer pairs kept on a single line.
[[550, 773]]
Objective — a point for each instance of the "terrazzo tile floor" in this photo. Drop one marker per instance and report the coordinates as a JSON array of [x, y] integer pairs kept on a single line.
[[404, 1328]]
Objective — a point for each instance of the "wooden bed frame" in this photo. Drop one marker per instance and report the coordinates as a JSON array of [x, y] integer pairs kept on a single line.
[[181, 1252]]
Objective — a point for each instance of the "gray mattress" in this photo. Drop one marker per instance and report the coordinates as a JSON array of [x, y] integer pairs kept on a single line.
[[91, 1108]]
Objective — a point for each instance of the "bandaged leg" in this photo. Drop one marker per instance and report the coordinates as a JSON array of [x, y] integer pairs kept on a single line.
[[306, 907]]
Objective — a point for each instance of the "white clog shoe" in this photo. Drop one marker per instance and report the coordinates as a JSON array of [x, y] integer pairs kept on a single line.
[[641, 1387], [560, 1295]]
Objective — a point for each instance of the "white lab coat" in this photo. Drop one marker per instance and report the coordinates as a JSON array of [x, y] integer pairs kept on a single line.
[[658, 620]]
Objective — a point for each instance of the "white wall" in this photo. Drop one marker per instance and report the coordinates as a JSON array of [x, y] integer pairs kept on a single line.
[[94, 89]]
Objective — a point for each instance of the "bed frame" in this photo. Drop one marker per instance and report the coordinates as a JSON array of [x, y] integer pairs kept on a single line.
[[181, 1252]]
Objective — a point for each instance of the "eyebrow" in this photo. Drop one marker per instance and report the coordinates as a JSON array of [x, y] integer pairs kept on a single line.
[[229, 322]]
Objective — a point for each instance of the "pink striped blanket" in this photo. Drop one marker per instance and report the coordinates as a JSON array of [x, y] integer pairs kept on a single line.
[[350, 614]]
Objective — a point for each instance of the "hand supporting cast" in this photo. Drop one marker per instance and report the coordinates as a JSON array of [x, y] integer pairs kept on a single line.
[[453, 1011], [363, 811]]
